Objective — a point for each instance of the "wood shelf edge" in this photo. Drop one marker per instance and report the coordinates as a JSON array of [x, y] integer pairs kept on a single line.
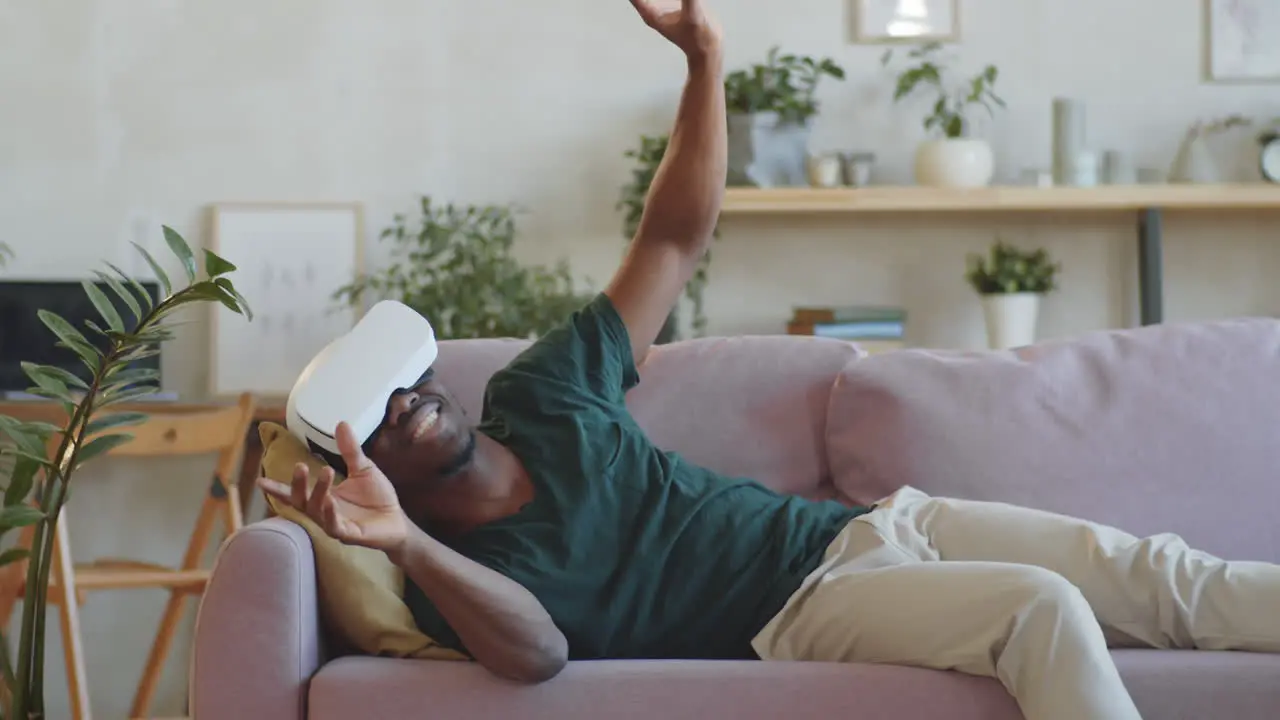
[[1238, 196]]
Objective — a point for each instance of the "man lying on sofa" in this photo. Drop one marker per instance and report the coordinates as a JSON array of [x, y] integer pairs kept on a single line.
[[555, 530]]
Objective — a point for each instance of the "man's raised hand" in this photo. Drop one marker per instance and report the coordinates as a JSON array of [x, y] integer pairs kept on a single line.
[[361, 510], [686, 23]]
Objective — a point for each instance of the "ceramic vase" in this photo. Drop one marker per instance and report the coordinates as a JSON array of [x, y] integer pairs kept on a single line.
[[1194, 163], [766, 151], [955, 163], [1068, 138], [1011, 319]]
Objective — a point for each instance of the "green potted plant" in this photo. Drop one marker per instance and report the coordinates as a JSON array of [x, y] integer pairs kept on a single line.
[[647, 156], [454, 265], [951, 157], [771, 106], [46, 457], [1011, 283]]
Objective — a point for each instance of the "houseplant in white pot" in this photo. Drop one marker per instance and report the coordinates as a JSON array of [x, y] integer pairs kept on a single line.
[[952, 157], [1011, 283], [771, 107]]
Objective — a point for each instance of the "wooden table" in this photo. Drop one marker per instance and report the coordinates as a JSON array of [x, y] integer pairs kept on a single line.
[[251, 461]]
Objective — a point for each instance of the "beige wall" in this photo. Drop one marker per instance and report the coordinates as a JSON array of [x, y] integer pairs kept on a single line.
[[122, 114]]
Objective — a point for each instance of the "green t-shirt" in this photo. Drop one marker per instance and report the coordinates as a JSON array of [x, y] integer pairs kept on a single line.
[[634, 552]]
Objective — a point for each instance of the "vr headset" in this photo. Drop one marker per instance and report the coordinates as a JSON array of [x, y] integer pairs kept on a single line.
[[390, 349]]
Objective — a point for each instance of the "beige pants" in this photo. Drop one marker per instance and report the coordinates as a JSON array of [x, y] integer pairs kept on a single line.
[[1030, 598]]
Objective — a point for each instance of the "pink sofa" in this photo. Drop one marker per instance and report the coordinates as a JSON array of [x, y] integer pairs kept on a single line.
[[1171, 428]]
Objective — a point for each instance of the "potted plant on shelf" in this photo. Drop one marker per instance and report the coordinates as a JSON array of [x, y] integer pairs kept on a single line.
[[454, 265], [952, 157], [771, 107], [1011, 282], [647, 156], [46, 457]]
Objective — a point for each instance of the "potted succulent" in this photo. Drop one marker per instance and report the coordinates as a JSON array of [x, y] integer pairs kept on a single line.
[[1011, 282], [45, 457], [771, 107], [454, 265], [647, 156], [952, 157]]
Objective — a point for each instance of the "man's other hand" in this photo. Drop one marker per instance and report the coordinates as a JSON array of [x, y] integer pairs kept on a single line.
[[361, 510], [686, 23]]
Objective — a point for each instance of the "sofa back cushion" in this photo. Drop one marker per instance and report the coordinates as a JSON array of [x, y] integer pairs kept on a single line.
[[1171, 428], [751, 407]]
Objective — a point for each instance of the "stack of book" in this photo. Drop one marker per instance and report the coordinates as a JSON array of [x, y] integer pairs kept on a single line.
[[874, 329]]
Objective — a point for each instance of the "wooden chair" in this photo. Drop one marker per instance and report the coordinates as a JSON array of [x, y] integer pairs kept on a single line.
[[217, 430]]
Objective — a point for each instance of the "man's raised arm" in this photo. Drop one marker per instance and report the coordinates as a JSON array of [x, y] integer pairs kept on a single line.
[[684, 198]]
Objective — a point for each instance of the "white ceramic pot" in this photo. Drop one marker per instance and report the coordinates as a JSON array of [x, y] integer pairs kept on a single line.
[[958, 163], [1011, 319], [766, 151]]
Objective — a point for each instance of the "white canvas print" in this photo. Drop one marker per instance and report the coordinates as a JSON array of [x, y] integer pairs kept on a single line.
[[1244, 40], [290, 261]]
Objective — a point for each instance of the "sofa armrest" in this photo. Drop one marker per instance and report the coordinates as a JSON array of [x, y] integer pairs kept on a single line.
[[257, 636]]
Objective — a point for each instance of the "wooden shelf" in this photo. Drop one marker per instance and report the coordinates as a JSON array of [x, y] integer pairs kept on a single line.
[[747, 201]]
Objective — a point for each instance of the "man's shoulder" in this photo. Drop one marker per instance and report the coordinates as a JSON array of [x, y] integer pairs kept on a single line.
[[583, 362]]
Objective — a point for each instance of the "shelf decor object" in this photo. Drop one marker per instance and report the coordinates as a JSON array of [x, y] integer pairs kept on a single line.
[[1146, 203], [951, 156], [772, 107], [879, 22], [1011, 282], [1068, 138], [1241, 38]]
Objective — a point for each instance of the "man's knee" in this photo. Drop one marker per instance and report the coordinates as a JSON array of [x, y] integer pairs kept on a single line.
[[1046, 590]]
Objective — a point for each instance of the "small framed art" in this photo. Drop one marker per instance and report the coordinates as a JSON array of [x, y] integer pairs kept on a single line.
[[905, 21], [1241, 39]]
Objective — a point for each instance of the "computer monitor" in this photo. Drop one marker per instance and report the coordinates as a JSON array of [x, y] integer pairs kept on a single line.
[[24, 338]]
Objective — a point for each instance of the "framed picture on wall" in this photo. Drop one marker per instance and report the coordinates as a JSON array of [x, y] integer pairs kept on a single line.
[[291, 257], [1241, 38], [905, 21]]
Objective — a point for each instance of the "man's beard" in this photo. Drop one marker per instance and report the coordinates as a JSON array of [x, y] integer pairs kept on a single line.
[[462, 459]]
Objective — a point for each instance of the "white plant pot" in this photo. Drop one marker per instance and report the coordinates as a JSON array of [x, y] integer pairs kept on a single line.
[[766, 151], [1011, 319], [957, 163]]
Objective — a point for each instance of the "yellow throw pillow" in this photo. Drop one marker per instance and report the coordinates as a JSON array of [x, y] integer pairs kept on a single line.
[[361, 593]]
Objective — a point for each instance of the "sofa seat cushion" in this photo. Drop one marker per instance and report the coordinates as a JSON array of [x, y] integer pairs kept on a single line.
[[645, 690], [1195, 685], [1169, 428], [1166, 684]]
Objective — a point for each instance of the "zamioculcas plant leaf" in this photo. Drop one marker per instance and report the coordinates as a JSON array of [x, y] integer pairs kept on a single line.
[[45, 457]]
